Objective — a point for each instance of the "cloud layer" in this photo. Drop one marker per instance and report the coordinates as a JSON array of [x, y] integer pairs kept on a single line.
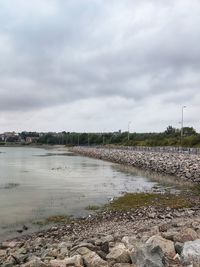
[[95, 64]]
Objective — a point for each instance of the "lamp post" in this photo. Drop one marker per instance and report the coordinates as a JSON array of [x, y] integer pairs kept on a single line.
[[78, 139], [88, 139], [129, 130], [103, 139], [182, 124], [103, 136]]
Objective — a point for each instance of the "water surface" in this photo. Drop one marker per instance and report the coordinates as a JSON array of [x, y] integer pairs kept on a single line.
[[36, 183]]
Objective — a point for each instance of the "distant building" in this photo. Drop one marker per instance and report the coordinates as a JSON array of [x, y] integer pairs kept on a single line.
[[10, 137], [30, 140], [117, 133]]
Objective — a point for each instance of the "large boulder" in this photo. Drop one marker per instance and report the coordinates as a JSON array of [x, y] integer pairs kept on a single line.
[[148, 255], [191, 252], [167, 246], [91, 258], [187, 234], [119, 253]]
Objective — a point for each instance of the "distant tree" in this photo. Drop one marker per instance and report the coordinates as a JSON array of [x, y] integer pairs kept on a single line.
[[170, 130], [189, 131]]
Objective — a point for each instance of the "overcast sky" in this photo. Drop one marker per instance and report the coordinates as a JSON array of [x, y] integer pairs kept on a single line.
[[95, 65]]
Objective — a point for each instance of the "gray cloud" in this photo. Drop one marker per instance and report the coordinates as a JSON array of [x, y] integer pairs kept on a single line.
[[58, 53]]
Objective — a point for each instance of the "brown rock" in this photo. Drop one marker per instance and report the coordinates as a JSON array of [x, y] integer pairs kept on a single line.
[[185, 235], [2, 253], [91, 258], [119, 254]]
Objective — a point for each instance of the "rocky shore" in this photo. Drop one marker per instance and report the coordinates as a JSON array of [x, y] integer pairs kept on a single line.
[[143, 237], [183, 166]]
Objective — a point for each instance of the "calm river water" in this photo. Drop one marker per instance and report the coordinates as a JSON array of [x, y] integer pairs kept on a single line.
[[36, 183]]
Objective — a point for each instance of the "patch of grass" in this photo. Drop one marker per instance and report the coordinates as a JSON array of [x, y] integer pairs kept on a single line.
[[54, 220], [137, 200], [92, 207]]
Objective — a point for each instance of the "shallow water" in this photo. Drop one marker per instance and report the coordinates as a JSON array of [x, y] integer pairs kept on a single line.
[[36, 183]]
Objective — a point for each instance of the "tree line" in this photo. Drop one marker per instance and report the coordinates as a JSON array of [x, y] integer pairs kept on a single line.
[[170, 137]]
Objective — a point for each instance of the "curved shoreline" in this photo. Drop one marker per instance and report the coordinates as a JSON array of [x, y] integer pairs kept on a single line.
[[184, 166]]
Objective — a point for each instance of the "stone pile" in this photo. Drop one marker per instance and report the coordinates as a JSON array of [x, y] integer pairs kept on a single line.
[[157, 242], [184, 166]]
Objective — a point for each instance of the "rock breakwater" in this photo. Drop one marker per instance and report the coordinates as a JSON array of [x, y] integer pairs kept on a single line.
[[184, 166]]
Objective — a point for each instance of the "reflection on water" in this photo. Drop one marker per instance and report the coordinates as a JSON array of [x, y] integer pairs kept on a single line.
[[56, 154], [37, 183], [8, 186]]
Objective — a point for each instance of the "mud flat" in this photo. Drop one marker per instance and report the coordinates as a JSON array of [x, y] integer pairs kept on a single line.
[[183, 166]]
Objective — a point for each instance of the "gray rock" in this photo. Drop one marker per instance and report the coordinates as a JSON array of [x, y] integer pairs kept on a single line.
[[105, 247], [178, 247], [148, 256], [191, 252]]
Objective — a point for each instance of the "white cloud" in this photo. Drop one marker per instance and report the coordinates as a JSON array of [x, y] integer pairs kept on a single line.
[[91, 65]]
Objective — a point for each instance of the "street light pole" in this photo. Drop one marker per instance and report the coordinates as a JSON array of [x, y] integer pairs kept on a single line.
[[88, 139], [182, 125], [103, 136], [78, 139], [129, 130]]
